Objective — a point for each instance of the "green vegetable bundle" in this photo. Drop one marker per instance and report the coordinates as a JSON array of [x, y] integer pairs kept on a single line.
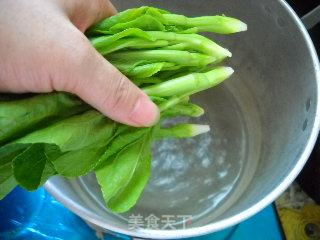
[[58, 134]]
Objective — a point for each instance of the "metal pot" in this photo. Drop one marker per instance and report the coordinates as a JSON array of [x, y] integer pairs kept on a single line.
[[265, 121]]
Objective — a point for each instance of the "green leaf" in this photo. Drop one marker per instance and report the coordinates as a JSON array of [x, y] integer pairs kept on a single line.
[[145, 22], [78, 163], [131, 192], [147, 70], [7, 186], [32, 167], [148, 80], [106, 44], [123, 138], [184, 109], [123, 179], [121, 17], [131, 43], [48, 171], [23, 116], [74, 133], [7, 181], [127, 16], [5, 172], [81, 140], [158, 14], [10, 151]]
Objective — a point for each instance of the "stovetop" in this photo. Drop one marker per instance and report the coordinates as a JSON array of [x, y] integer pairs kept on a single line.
[[38, 216]]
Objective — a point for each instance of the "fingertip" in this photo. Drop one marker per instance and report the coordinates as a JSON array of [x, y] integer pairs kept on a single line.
[[112, 8], [84, 13], [106, 9], [145, 113]]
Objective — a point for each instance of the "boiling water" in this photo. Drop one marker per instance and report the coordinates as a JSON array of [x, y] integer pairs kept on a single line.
[[196, 177]]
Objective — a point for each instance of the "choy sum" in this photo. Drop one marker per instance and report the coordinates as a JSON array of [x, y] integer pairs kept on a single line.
[[58, 134]]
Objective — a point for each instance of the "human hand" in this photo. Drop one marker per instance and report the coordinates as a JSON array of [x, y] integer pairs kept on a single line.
[[43, 49]]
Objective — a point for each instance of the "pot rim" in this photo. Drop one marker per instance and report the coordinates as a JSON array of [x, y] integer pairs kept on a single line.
[[239, 217]]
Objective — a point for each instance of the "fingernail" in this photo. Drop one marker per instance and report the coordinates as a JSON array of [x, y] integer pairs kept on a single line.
[[145, 112]]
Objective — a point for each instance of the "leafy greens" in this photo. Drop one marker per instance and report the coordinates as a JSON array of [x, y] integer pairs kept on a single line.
[[57, 134]]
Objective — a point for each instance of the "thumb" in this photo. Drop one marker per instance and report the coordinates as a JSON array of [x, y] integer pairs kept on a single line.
[[100, 84]]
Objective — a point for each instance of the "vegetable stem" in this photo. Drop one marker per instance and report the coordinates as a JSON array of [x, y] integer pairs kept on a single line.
[[183, 130], [194, 42], [188, 109], [216, 24], [183, 58], [172, 102], [194, 82]]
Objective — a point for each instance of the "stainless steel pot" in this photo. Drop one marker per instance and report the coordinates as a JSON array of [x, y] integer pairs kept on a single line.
[[264, 120]]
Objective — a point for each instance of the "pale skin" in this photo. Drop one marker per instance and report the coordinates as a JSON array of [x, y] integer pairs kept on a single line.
[[43, 49]]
